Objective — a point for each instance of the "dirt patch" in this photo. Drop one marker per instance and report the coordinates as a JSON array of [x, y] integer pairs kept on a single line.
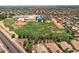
[[19, 24]]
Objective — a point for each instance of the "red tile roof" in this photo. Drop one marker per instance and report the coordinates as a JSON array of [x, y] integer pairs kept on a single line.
[[75, 44], [64, 45], [53, 47], [58, 25]]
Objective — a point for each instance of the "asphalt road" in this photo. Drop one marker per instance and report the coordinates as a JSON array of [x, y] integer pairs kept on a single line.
[[11, 47]]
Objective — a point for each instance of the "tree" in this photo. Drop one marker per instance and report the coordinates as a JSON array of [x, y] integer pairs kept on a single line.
[[13, 35], [24, 44], [68, 51], [2, 16], [11, 15], [29, 46]]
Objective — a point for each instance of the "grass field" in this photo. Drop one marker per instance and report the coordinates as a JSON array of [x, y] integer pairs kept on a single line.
[[8, 23], [40, 31], [37, 31]]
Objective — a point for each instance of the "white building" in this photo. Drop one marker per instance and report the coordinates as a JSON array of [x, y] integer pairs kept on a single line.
[[25, 17]]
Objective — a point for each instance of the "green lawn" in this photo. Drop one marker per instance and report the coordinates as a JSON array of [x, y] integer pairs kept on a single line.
[[8, 23], [41, 31]]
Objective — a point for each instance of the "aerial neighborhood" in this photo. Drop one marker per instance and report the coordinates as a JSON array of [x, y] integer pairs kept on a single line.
[[44, 29]]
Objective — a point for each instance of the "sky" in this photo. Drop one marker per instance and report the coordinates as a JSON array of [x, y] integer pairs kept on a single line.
[[39, 2]]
